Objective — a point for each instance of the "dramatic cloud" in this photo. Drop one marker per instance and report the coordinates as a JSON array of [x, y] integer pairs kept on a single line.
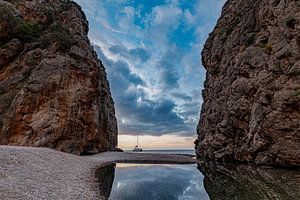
[[136, 113], [151, 52], [182, 96], [133, 54]]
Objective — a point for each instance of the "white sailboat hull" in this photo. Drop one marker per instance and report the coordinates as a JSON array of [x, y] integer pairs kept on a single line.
[[136, 148]]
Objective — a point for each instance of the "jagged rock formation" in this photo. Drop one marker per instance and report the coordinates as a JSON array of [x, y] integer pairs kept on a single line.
[[251, 110], [53, 89]]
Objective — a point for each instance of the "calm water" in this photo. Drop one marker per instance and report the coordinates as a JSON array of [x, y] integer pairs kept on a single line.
[[192, 182], [169, 151], [155, 182]]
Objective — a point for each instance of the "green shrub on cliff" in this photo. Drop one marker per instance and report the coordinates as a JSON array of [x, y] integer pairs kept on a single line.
[[250, 40], [7, 17], [295, 93], [291, 22], [12, 25], [66, 5], [7, 23], [28, 30], [266, 46], [61, 37], [33, 59]]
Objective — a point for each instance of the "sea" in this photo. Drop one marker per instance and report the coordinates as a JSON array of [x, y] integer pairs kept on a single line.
[[190, 152]]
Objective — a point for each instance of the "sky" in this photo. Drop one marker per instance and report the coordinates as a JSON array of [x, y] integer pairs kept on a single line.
[[151, 52]]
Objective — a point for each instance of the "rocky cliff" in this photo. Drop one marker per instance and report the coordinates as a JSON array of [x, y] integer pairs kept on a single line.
[[251, 110], [53, 89]]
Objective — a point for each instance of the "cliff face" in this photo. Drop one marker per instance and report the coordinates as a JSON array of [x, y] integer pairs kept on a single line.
[[53, 89], [251, 110]]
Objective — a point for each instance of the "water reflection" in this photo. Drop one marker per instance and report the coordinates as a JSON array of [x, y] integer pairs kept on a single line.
[[159, 182], [244, 182], [105, 177], [185, 182]]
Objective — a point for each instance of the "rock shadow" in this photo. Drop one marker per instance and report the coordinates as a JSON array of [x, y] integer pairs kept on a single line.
[[244, 182], [105, 177]]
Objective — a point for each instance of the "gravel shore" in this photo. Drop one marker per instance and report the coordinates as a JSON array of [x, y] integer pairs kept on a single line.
[[41, 173]]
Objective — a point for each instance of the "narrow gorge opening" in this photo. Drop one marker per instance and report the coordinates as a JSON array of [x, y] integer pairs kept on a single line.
[[151, 53], [69, 70]]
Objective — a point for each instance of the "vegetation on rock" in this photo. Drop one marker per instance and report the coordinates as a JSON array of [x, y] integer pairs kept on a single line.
[[27, 31]]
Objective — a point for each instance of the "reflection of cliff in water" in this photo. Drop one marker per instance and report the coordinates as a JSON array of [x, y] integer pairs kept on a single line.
[[105, 177], [251, 183], [237, 182]]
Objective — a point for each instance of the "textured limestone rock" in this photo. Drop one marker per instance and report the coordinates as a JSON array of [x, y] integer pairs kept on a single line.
[[53, 89], [251, 110]]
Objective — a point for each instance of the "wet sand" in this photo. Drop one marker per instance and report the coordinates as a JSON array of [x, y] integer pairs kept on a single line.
[[42, 173]]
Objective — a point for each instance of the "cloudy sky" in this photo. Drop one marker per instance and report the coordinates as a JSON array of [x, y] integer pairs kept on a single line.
[[151, 52]]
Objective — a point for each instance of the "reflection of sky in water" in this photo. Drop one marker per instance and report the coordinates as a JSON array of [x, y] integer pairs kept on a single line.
[[158, 182]]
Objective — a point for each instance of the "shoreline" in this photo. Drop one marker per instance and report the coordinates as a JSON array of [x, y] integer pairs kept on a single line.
[[43, 173]]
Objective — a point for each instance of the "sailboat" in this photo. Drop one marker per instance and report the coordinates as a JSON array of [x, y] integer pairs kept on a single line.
[[137, 147]]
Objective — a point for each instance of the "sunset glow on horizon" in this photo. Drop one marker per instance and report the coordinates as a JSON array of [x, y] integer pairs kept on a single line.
[[156, 142]]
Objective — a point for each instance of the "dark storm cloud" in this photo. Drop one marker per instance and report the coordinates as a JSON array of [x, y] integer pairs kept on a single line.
[[149, 117]]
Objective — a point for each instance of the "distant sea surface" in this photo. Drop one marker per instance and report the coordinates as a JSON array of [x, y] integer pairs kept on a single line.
[[168, 151]]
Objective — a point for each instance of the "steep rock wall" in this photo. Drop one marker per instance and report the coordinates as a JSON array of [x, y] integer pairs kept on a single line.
[[251, 110], [53, 89]]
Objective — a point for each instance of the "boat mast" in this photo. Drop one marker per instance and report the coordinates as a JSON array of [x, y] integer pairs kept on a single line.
[[139, 144]]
